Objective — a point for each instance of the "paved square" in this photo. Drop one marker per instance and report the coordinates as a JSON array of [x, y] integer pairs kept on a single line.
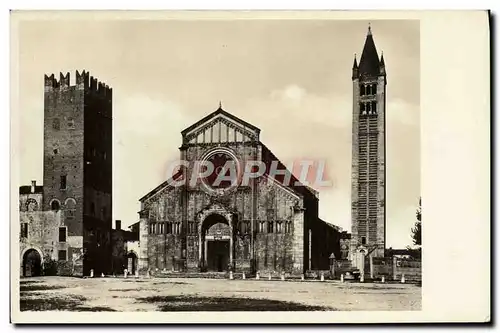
[[182, 294]]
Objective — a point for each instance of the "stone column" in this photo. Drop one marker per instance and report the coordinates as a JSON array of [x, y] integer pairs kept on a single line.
[[143, 260], [231, 249], [362, 263], [200, 249], [371, 267], [205, 244], [394, 268], [298, 240]]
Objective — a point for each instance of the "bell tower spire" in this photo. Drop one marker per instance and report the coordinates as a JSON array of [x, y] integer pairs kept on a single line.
[[368, 184]]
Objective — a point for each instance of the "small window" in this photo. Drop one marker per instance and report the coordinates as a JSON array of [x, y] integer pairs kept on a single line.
[[169, 228], [56, 151], [24, 230], [363, 240], [56, 124], [374, 107], [61, 255], [63, 183], [161, 228], [270, 227], [71, 123], [55, 205], [261, 227], [62, 234], [279, 227], [374, 89], [192, 227]]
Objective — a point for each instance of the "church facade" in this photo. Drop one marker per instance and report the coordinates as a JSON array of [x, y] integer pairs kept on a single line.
[[198, 220], [264, 224]]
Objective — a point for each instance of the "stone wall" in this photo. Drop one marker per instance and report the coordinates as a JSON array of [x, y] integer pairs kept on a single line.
[[43, 236]]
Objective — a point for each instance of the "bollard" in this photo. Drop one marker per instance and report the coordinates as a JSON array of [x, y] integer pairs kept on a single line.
[[362, 278], [342, 278], [137, 273], [125, 273], [383, 278], [403, 278], [269, 276], [243, 277], [282, 276], [257, 276], [302, 277], [102, 274], [148, 275], [231, 275], [322, 276], [91, 273]]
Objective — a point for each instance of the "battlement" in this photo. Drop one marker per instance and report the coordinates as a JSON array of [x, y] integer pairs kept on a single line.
[[82, 81]]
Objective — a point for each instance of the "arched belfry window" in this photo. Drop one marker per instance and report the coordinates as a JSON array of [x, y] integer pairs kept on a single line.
[[70, 207], [55, 205]]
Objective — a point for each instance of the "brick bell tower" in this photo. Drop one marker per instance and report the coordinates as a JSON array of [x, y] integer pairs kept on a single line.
[[368, 154], [77, 168]]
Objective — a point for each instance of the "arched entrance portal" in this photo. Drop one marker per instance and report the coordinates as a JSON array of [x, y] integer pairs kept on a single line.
[[216, 244], [131, 262], [32, 263]]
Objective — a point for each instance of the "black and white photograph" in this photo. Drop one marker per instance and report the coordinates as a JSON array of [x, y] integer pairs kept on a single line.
[[191, 164]]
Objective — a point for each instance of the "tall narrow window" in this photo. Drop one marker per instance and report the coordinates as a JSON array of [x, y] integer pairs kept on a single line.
[[63, 183], [374, 107], [362, 92], [279, 227], [369, 89], [363, 240], [374, 89], [169, 227], [362, 108], [62, 234], [24, 230], [270, 227]]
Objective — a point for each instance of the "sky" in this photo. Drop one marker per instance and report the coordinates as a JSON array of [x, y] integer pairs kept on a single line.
[[290, 78]]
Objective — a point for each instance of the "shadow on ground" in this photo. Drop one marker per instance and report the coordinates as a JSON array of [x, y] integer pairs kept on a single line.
[[35, 301], [197, 303]]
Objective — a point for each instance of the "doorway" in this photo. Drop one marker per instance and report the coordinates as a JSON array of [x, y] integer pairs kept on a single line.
[[32, 263], [217, 255], [131, 263]]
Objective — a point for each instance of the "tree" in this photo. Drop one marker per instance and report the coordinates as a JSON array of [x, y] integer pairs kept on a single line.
[[416, 232]]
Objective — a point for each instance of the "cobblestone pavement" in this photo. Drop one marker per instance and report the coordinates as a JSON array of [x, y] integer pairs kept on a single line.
[[183, 294]]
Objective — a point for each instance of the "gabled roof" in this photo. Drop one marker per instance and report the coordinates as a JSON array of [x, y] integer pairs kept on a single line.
[[216, 113], [268, 157], [158, 188]]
